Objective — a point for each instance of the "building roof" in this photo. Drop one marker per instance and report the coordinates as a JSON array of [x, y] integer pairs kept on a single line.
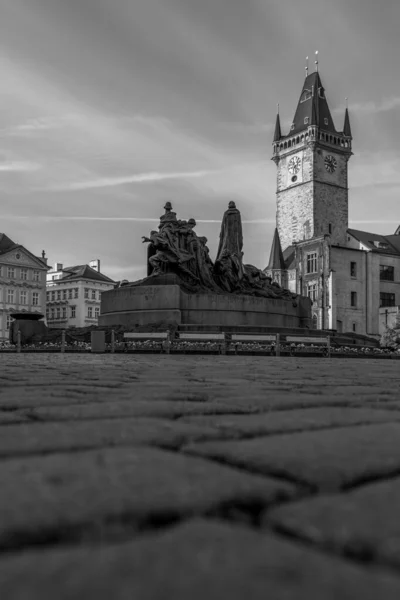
[[276, 260], [394, 240], [312, 109], [6, 244], [346, 126], [384, 244], [313, 104], [83, 272], [289, 255], [278, 133]]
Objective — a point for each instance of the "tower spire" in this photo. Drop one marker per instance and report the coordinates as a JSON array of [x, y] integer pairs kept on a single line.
[[316, 61], [306, 67], [276, 260], [278, 133], [346, 127]]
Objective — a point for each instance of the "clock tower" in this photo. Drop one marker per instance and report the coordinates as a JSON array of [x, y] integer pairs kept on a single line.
[[312, 159]]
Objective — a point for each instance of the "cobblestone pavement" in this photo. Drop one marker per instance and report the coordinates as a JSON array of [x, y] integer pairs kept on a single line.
[[175, 477]]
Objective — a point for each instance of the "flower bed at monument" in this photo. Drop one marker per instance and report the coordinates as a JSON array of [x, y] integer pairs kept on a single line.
[[182, 347]]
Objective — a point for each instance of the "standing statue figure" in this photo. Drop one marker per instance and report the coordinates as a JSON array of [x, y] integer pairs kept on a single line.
[[228, 264], [169, 217], [166, 253], [190, 242]]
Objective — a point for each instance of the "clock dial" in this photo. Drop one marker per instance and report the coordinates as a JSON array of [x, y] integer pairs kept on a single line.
[[294, 165], [330, 163]]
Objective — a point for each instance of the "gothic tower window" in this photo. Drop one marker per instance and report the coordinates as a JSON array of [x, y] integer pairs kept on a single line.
[[311, 262]]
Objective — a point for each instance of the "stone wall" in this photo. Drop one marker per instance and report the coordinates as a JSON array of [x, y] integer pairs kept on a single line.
[[330, 208], [140, 305]]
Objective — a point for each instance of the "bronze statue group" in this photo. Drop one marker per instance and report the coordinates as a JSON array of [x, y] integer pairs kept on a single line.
[[176, 248]]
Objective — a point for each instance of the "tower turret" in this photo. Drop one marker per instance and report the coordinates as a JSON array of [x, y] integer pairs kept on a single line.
[[276, 268], [346, 127], [277, 134]]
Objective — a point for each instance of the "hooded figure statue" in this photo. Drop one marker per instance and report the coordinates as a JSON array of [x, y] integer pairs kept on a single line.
[[228, 264]]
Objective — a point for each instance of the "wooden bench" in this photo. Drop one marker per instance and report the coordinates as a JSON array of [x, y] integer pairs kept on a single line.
[[199, 336], [158, 336], [237, 338], [325, 342]]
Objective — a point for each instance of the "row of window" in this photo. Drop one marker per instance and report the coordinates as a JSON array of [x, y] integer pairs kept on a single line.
[[11, 273], [65, 294], [386, 272], [61, 313], [72, 293], [92, 294], [22, 297], [385, 298]]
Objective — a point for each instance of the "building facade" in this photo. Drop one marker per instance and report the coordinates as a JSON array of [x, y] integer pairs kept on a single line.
[[74, 294], [22, 283], [349, 275]]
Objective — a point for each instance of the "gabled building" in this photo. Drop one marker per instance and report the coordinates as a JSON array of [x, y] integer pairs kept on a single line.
[[351, 276], [22, 282], [74, 294]]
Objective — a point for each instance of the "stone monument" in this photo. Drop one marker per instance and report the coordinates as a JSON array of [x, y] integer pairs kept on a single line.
[[185, 287]]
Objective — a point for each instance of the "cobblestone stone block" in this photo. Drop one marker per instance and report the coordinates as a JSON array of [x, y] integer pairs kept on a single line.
[[130, 408], [11, 417], [326, 459], [33, 438], [43, 496], [196, 560], [292, 420], [364, 522]]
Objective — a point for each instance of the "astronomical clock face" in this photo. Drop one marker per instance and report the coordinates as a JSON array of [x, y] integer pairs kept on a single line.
[[330, 163], [294, 165]]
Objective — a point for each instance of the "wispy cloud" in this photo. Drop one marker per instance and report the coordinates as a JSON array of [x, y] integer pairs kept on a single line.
[[19, 167], [55, 218], [371, 107], [33, 126], [138, 178]]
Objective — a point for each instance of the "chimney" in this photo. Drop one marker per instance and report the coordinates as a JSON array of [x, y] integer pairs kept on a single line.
[[95, 264]]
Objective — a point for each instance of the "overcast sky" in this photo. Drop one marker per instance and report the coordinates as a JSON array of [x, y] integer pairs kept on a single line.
[[109, 108]]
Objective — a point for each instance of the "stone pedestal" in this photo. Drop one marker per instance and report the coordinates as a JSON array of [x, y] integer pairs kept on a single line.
[[30, 326], [132, 306], [98, 341]]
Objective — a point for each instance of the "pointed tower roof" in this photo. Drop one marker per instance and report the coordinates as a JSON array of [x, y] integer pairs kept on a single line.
[[346, 127], [276, 260], [312, 108], [278, 133]]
